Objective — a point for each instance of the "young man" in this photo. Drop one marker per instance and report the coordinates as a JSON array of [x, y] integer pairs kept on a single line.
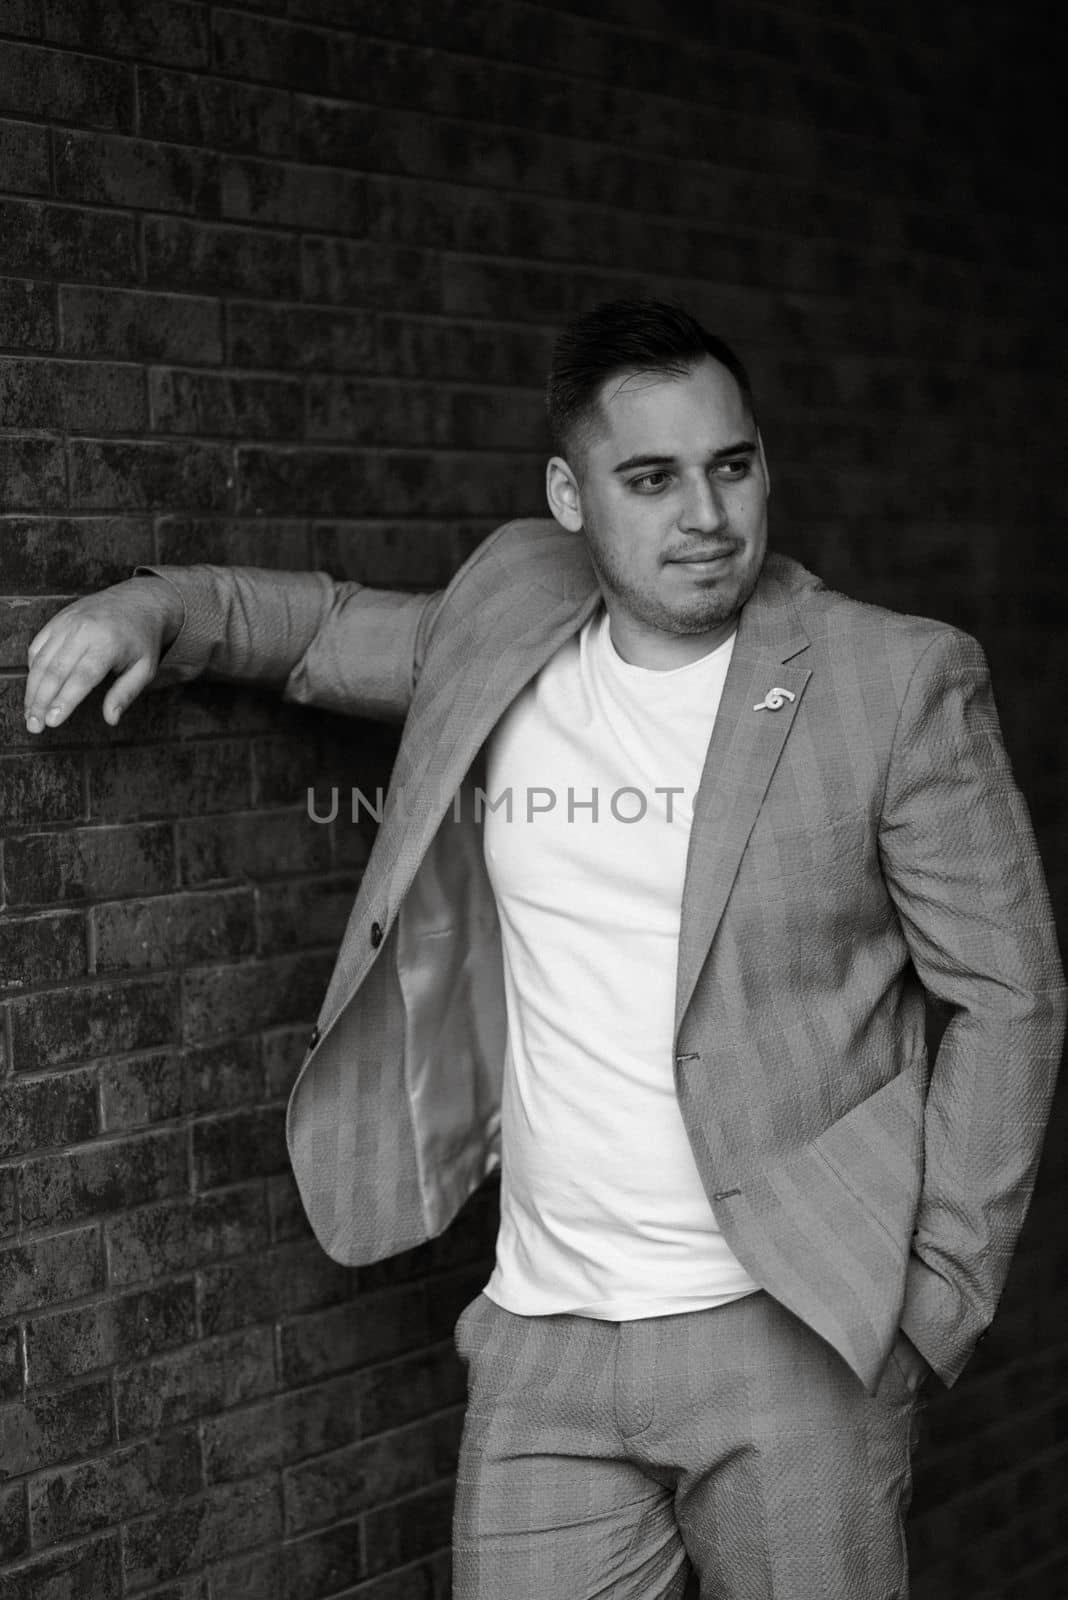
[[676, 839]]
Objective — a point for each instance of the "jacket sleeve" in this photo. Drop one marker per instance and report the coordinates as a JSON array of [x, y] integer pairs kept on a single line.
[[340, 646], [962, 866]]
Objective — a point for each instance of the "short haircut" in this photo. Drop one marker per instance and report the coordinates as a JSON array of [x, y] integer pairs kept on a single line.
[[625, 336]]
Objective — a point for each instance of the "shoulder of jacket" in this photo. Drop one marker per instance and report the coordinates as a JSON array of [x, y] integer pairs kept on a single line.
[[833, 616]]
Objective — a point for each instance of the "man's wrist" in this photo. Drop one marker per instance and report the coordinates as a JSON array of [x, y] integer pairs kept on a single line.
[[166, 598]]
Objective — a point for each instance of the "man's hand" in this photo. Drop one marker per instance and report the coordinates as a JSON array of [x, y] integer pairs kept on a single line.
[[123, 629]]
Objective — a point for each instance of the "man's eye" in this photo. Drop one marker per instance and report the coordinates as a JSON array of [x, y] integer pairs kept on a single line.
[[649, 482], [732, 470]]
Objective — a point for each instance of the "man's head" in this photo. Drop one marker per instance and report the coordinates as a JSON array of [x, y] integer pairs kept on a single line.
[[658, 462]]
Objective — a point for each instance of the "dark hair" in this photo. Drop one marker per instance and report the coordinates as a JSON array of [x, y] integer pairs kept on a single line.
[[621, 335]]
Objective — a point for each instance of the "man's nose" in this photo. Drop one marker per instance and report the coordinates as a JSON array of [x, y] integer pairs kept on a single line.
[[703, 509]]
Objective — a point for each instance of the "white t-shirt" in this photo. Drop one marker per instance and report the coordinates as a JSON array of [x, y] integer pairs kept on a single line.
[[603, 1213]]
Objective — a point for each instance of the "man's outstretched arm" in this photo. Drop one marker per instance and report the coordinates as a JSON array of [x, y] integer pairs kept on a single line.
[[343, 646]]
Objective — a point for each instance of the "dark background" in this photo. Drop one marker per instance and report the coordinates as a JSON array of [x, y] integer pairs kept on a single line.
[[278, 284]]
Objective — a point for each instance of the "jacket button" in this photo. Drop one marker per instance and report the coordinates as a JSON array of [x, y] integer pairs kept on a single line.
[[314, 1037], [376, 935]]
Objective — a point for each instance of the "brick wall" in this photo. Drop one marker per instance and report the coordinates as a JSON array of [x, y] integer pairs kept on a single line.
[[278, 287]]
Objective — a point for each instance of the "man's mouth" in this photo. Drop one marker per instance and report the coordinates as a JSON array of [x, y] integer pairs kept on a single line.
[[700, 558]]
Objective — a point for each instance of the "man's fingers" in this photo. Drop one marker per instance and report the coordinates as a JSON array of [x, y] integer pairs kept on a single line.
[[64, 684], [37, 643], [45, 675], [126, 688]]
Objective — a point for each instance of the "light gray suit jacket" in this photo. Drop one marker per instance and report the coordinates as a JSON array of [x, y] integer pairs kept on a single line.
[[860, 844]]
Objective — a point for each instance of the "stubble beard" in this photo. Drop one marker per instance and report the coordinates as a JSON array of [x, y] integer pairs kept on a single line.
[[708, 608]]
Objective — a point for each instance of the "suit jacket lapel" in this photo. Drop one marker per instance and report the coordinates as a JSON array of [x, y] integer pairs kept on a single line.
[[745, 746], [512, 629]]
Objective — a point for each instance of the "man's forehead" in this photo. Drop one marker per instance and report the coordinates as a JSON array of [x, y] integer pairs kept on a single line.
[[639, 398]]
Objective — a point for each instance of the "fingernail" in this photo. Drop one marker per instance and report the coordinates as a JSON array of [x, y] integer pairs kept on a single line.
[[53, 713], [33, 724]]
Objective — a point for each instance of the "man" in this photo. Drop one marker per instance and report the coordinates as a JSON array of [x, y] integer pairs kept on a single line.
[[675, 841]]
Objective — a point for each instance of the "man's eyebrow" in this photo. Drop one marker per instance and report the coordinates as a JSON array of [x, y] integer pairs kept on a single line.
[[741, 447]]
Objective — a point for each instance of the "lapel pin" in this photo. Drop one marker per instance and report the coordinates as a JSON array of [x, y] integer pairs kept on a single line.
[[774, 699]]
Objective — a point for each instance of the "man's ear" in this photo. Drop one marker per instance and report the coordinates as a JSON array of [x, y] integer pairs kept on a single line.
[[562, 493], [763, 463]]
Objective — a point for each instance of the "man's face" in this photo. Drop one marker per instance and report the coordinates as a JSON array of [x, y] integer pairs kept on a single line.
[[671, 493]]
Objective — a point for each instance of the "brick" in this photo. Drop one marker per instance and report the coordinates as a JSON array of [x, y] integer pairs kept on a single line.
[[323, 482], [140, 326], [293, 916], [76, 1572], [174, 930], [19, 623], [253, 845], [168, 780], [68, 396], [231, 1149], [78, 89], [140, 1090], [408, 1529], [101, 863], [389, 553], [227, 115], [10, 1366], [326, 1562], [47, 1271], [270, 193], [180, 254], [374, 1328], [255, 1577], [23, 158], [364, 1475], [14, 1522], [222, 1076], [269, 51], [294, 338], [47, 1112], [61, 241], [33, 472], [124, 1483], [288, 1219], [45, 948], [416, 347], [9, 1214], [285, 769], [46, 1429], [332, 483], [284, 1050], [124, 476], [197, 1381], [255, 543], [27, 312], [228, 1517], [59, 555], [390, 1396], [103, 1177], [410, 415], [92, 1020], [238, 999], [173, 32], [44, 788], [278, 1431], [65, 1344], [360, 273], [293, 1278], [209, 403], [176, 1237]]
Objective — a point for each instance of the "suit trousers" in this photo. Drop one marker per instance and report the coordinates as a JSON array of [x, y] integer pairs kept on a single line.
[[730, 1447]]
